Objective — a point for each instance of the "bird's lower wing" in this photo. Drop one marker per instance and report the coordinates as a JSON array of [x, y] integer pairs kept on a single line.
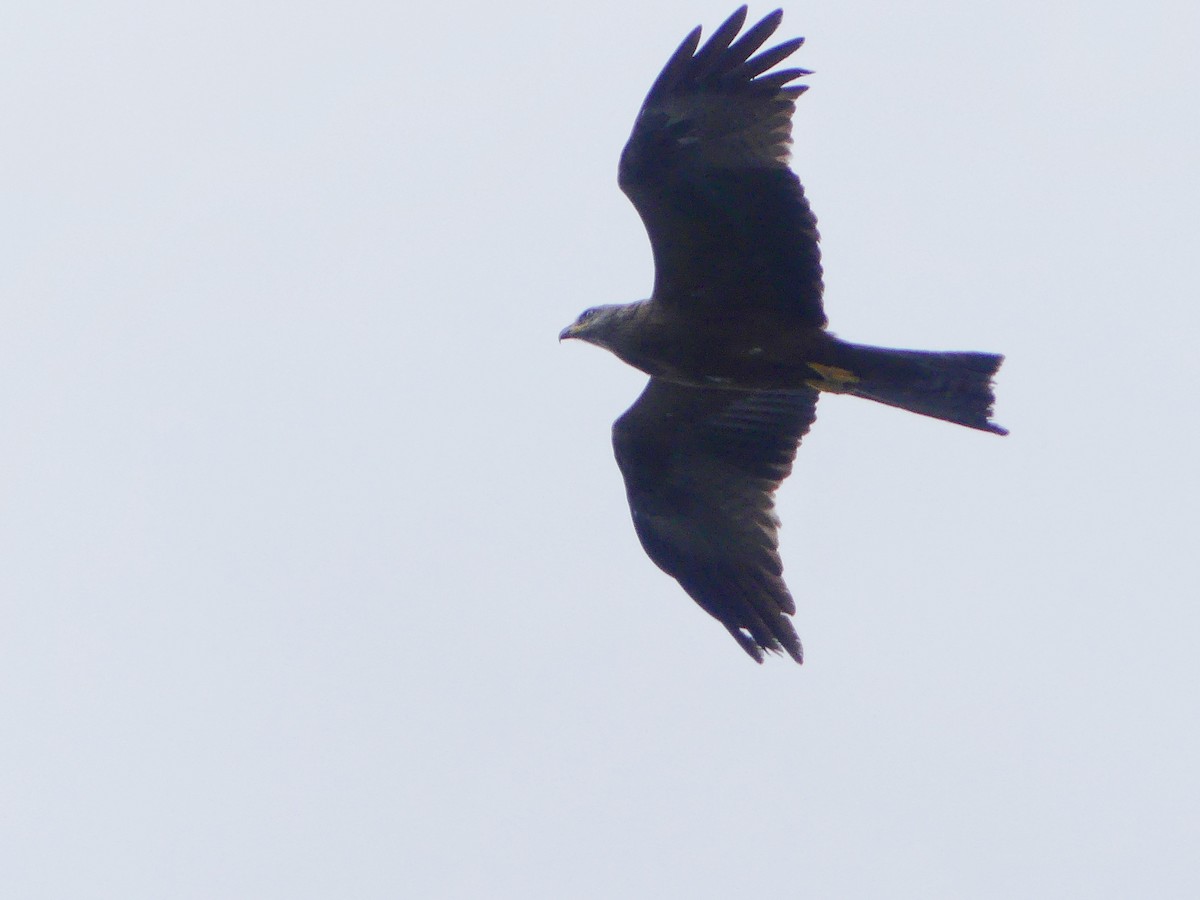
[[701, 467]]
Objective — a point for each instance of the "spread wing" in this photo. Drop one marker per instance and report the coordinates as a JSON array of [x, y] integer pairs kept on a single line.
[[701, 467], [707, 169]]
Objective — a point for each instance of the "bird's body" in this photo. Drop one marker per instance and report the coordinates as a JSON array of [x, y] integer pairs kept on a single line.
[[733, 335], [749, 354]]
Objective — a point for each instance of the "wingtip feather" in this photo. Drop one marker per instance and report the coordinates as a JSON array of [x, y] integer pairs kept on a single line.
[[679, 62], [742, 49], [718, 43]]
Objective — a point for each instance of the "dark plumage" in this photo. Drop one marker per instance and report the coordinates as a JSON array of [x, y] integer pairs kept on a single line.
[[734, 336]]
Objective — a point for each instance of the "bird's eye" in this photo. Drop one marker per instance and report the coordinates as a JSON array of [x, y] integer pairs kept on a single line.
[[587, 314]]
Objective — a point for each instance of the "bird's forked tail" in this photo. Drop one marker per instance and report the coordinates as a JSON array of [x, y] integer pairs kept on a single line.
[[954, 386]]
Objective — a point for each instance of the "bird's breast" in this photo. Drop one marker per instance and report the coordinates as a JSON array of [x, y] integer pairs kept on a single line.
[[728, 358]]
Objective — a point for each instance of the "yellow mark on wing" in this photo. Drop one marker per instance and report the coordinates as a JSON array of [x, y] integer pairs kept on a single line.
[[833, 379]]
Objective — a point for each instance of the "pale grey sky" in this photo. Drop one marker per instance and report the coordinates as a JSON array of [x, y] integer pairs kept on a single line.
[[318, 579]]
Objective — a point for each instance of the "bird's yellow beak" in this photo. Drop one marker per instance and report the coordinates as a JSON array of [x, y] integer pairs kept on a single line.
[[568, 332]]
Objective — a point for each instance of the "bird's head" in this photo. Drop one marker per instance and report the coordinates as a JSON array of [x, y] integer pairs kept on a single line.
[[592, 324]]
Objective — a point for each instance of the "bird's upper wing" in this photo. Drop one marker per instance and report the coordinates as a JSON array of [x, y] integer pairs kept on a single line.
[[707, 169], [701, 467]]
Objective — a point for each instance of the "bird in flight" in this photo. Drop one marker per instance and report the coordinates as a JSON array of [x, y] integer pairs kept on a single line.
[[734, 335]]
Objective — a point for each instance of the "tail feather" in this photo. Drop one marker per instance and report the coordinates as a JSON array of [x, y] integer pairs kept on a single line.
[[954, 386]]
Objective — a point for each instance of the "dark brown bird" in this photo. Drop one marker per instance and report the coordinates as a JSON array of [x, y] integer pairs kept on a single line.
[[734, 336]]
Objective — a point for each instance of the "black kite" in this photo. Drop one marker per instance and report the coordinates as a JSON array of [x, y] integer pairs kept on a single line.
[[734, 336]]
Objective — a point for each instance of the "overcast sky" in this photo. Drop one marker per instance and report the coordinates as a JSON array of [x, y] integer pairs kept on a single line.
[[316, 574]]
